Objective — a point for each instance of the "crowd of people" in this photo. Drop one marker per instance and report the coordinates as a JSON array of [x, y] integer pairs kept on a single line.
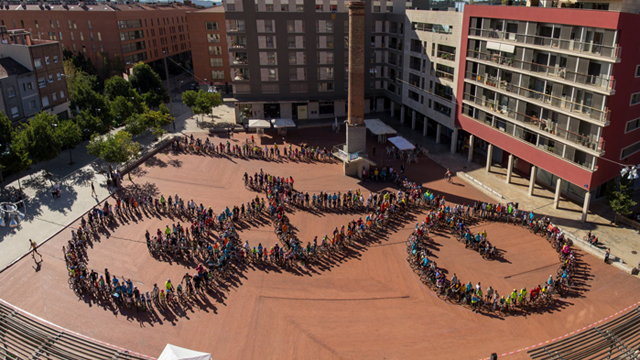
[[456, 219]]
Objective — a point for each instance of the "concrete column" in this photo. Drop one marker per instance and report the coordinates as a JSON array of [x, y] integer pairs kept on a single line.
[[532, 180], [509, 168], [424, 127], [454, 140], [471, 145], [438, 131], [489, 156], [556, 199], [393, 109], [402, 114], [413, 119], [585, 207], [355, 114]]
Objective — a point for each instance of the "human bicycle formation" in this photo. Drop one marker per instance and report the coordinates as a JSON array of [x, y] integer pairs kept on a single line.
[[211, 239], [456, 220]]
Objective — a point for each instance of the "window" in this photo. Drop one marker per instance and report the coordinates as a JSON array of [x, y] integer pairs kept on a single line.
[[297, 58], [32, 104], [45, 101], [99, 36], [300, 7], [298, 87], [324, 26], [632, 125], [212, 26], [62, 94], [75, 26], [270, 88], [15, 112], [325, 57], [333, 8], [269, 74], [11, 92], [55, 59], [50, 78], [47, 60], [319, 6], [54, 96], [268, 7], [215, 62], [236, 25], [635, 98], [325, 87], [213, 38], [389, 8], [630, 150], [284, 7], [37, 27], [72, 37], [91, 36], [270, 42], [215, 50], [89, 23], [268, 58], [60, 34], [59, 76], [295, 26], [414, 95], [58, 23], [68, 23], [27, 86], [297, 73], [325, 42], [217, 74], [325, 73], [81, 36], [37, 63]]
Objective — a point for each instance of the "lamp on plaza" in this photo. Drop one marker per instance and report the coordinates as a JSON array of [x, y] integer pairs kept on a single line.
[[9, 212], [13, 222], [2, 222], [631, 172]]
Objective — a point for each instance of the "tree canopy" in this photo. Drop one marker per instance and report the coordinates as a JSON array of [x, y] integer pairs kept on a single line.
[[148, 84], [38, 137], [118, 148], [620, 196]]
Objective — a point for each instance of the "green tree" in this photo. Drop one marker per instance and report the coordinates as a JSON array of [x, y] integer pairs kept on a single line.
[[69, 134], [118, 148], [16, 159], [6, 131], [39, 139], [620, 197], [136, 124], [122, 109], [206, 101], [90, 124], [118, 86], [148, 84], [189, 99]]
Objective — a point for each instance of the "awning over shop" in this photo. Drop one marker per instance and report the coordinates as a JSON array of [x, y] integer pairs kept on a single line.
[[283, 123], [259, 124], [402, 143], [377, 127]]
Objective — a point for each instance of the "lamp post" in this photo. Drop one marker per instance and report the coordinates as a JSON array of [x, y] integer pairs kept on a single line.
[[166, 73], [10, 214], [374, 73]]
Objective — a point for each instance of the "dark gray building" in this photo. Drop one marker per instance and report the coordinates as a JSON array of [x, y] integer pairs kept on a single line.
[[289, 57], [19, 91]]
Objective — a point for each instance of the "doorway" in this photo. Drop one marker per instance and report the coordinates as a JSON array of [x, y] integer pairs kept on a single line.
[[271, 111]]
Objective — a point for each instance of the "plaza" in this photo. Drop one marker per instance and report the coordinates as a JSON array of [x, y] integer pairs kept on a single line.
[[363, 303]]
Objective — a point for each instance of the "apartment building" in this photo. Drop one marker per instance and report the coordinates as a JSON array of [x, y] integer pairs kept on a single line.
[[39, 81], [19, 98], [210, 47], [430, 73], [133, 31], [288, 58], [550, 93]]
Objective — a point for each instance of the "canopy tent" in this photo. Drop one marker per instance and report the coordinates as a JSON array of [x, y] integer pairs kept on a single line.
[[377, 127], [283, 123], [172, 352], [259, 124], [401, 143]]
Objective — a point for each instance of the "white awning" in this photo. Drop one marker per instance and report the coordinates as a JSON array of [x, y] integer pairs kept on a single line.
[[491, 45], [172, 352], [402, 143], [377, 127], [259, 124], [283, 123]]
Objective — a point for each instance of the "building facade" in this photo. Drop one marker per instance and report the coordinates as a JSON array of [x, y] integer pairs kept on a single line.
[[132, 31], [210, 48], [549, 93], [44, 87], [288, 58], [19, 98]]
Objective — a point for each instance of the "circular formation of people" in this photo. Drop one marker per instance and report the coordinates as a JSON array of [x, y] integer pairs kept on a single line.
[[210, 238]]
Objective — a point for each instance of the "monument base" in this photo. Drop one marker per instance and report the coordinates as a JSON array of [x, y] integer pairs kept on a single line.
[[354, 168], [356, 139]]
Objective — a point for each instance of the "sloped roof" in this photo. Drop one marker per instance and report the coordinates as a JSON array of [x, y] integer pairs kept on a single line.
[[10, 67]]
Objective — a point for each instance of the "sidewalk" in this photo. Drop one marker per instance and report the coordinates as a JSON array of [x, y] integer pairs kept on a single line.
[[624, 242], [45, 216]]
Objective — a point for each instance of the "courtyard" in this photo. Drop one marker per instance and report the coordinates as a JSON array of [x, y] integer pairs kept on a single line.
[[363, 303]]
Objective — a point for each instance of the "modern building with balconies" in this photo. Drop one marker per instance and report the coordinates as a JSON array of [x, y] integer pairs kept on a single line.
[[549, 93]]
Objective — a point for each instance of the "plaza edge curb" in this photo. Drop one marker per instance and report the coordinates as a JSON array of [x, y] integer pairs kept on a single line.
[[160, 145], [576, 240]]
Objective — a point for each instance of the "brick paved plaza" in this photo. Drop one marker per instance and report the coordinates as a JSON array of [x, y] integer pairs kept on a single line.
[[365, 303]]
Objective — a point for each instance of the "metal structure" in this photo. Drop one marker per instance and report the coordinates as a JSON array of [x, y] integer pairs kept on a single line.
[[9, 213], [617, 339]]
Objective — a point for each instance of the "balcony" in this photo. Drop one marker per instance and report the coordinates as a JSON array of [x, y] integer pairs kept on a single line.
[[238, 42], [239, 59], [446, 55], [538, 125], [444, 75], [571, 46], [602, 83], [240, 74], [574, 109]]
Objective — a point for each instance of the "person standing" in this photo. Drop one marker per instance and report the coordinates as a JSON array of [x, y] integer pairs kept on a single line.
[[93, 190], [34, 249], [606, 255]]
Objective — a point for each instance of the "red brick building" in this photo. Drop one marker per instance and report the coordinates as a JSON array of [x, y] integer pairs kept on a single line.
[[135, 32], [209, 50]]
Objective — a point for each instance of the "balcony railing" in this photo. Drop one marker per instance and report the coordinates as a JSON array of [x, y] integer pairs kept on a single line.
[[576, 109], [587, 48], [446, 55], [603, 82], [444, 75], [534, 123]]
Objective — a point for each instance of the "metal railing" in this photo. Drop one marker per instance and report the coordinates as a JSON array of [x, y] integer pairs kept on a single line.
[[576, 109], [603, 82], [537, 124], [446, 55], [588, 48], [444, 75]]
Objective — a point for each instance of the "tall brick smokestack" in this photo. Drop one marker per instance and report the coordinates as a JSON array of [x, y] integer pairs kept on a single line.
[[356, 63]]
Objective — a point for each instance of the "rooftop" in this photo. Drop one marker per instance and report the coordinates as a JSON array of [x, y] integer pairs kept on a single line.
[[91, 6], [10, 67]]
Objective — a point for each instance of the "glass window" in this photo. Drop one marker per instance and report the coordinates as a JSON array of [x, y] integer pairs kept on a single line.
[[212, 26], [15, 112], [11, 92], [37, 63]]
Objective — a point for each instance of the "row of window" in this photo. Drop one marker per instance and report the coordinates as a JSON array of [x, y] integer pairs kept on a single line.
[[47, 60], [15, 111], [274, 88], [269, 26]]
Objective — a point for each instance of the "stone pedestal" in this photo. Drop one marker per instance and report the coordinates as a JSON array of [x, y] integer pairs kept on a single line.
[[356, 139]]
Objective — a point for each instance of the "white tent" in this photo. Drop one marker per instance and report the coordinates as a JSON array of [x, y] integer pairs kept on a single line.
[[283, 123], [172, 352], [259, 124], [377, 127], [402, 143]]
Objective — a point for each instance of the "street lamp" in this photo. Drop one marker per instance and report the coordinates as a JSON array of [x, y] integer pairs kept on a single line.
[[374, 73], [9, 213]]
